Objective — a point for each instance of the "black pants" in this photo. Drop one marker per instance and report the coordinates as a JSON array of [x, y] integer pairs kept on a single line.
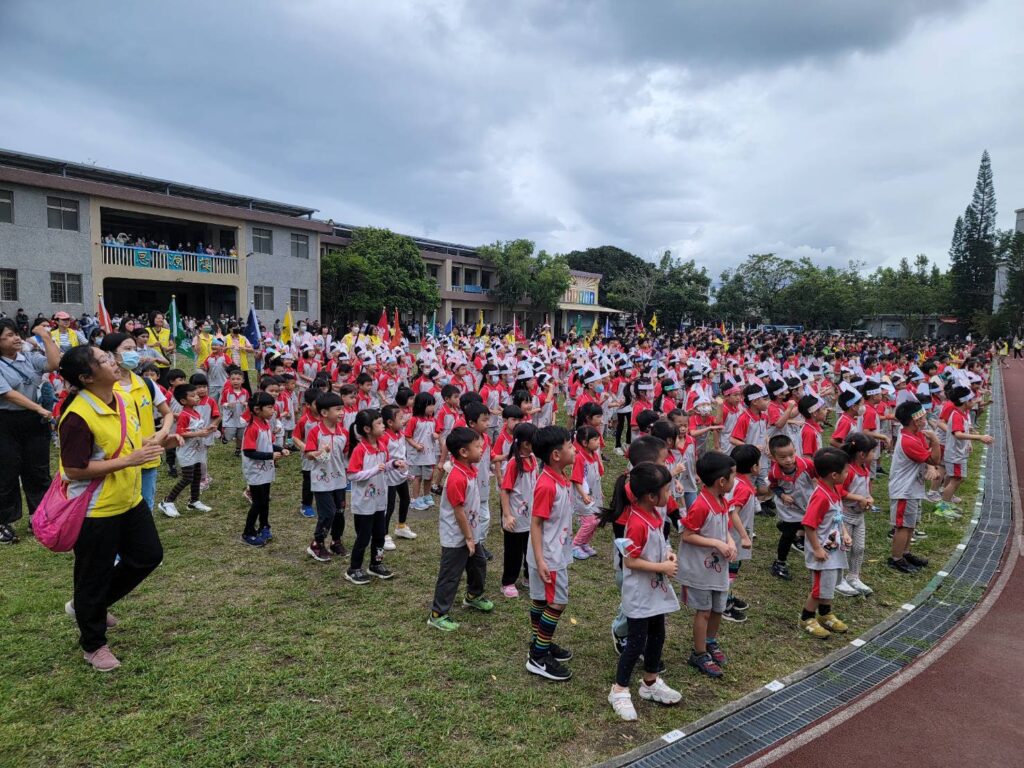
[[192, 475], [24, 457], [99, 583], [370, 530], [622, 420], [646, 636], [330, 514], [259, 510], [788, 533], [307, 491], [514, 560], [1016, 353], [455, 560], [401, 494]]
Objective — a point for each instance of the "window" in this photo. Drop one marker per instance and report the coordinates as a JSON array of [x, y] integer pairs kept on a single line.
[[262, 240], [6, 206], [432, 271], [456, 277], [485, 281], [227, 238], [8, 285], [299, 299], [62, 213], [263, 296], [300, 246], [65, 288]]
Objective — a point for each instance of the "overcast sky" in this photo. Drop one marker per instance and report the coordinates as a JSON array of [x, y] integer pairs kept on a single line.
[[835, 129]]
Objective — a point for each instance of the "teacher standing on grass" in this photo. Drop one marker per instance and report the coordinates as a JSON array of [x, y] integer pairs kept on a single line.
[[24, 423], [101, 438]]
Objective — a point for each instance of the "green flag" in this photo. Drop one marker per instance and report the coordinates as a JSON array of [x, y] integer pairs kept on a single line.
[[182, 342], [579, 325]]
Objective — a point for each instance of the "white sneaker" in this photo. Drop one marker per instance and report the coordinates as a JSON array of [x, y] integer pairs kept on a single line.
[[168, 508], [846, 589], [620, 452], [860, 586], [389, 544], [198, 506], [404, 532], [622, 703], [933, 496], [659, 692], [428, 501]]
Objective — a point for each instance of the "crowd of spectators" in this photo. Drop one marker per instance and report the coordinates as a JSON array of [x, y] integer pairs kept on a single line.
[[161, 245]]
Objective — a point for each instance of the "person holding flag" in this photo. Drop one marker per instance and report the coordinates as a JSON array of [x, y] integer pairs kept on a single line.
[[178, 340], [240, 347]]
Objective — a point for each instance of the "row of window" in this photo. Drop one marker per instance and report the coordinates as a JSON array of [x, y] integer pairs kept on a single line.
[[263, 298], [65, 287], [62, 213]]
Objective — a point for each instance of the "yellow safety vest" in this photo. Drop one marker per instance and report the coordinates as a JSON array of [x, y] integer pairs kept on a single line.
[[72, 337], [138, 393], [122, 490]]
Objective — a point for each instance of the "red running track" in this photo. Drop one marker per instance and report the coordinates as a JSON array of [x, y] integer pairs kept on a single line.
[[958, 705]]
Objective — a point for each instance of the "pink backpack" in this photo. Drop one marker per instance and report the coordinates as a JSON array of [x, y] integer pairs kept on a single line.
[[58, 520]]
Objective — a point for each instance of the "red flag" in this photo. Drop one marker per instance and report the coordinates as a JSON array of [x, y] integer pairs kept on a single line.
[[396, 335], [104, 317], [517, 332], [382, 325]]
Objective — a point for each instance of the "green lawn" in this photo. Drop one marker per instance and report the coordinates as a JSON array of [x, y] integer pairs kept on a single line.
[[238, 656]]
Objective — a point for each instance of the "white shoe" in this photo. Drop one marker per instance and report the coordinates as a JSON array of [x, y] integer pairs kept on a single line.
[[933, 496], [198, 506], [845, 589], [389, 544], [860, 586], [620, 452], [404, 532], [428, 502], [168, 508], [417, 504], [622, 703], [660, 693]]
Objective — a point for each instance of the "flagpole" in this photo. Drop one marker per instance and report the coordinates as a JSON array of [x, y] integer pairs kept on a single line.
[[174, 324]]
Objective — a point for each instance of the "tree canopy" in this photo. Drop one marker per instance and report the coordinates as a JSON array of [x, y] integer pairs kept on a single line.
[[543, 278]]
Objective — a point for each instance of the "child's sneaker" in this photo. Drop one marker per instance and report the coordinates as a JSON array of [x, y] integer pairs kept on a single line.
[[704, 664], [919, 534], [622, 703], [198, 506], [560, 654], [318, 552], [102, 660], [914, 560], [780, 571], [659, 692], [404, 532], [389, 544], [901, 565], [846, 589], [739, 603], [357, 576], [860, 586], [444, 623], [381, 571], [480, 603], [799, 545], [814, 629], [307, 511], [428, 502], [168, 508], [337, 548], [509, 590], [832, 623], [436, 490], [549, 667], [734, 615], [933, 496], [253, 540], [619, 643], [590, 550], [265, 534], [717, 653], [579, 553]]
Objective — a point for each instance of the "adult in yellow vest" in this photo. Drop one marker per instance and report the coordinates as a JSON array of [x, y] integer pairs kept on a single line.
[[203, 344], [160, 338], [64, 336], [240, 349], [148, 398], [101, 439]]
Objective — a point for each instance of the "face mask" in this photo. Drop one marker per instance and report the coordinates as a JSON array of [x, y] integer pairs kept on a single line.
[[130, 360], [599, 388]]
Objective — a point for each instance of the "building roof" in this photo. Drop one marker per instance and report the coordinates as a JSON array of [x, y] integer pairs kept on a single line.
[[568, 306], [67, 169], [423, 243]]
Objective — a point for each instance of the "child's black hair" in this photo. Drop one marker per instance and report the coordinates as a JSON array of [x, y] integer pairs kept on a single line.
[[664, 429], [804, 405], [182, 391], [448, 390], [473, 410], [348, 389], [645, 448], [199, 379], [402, 396], [363, 421], [266, 381], [548, 440], [460, 438], [645, 420], [423, 401], [778, 442], [525, 432], [675, 412], [310, 396], [363, 378], [389, 412], [858, 442], [231, 370], [175, 373], [585, 434], [747, 458], [326, 400], [905, 412], [465, 399], [519, 397], [646, 477], [829, 460], [260, 400], [752, 392], [848, 398], [588, 411], [713, 466], [511, 412], [150, 368]]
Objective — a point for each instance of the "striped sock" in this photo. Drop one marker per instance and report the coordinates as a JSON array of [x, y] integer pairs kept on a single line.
[[546, 630], [536, 610]]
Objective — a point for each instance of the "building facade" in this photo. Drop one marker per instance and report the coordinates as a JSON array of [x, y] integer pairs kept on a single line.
[[579, 308], [70, 231]]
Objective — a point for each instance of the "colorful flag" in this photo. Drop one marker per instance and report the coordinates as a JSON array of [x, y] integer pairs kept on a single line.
[[382, 325], [593, 332], [286, 327], [103, 317], [721, 327], [607, 327], [480, 324], [654, 322], [396, 334], [433, 324], [252, 328], [182, 343], [579, 325], [449, 326], [517, 332]]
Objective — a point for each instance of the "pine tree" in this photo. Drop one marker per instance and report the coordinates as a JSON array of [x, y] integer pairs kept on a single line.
[[972, 251]]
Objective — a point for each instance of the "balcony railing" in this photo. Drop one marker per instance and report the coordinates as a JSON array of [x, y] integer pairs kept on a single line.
[[470, 289], [176, 261]]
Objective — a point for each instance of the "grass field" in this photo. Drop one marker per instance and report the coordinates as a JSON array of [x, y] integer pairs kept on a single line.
[[238, 656]]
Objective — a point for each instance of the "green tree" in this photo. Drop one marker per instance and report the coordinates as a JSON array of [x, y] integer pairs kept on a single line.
[[403, 280], [611, 263], [513, 266], [348, 285], [681, 290], [972, 250], [820, 297], [549, 280], [732, 299], [909, 292], [754, 290], [634, 290]]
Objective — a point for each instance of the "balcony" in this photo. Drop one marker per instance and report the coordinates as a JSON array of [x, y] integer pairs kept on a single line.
[[176, 261], [470, 289]]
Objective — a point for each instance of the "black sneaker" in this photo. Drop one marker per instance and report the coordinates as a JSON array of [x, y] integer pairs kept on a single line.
[[798, 545], [738, 603], [901, 565], [237, 452], [436, 490], [559, 653], [734, 615], [779, 570], [7, 535], [549, 667], [381, 571], [919, 562], [619, 643], [337, 548], [704, 663], [357, 576]]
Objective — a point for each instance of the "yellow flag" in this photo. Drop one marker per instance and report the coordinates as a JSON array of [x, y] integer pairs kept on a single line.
[[480, 324], [286, 327], [593, 332], [654, 322]]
